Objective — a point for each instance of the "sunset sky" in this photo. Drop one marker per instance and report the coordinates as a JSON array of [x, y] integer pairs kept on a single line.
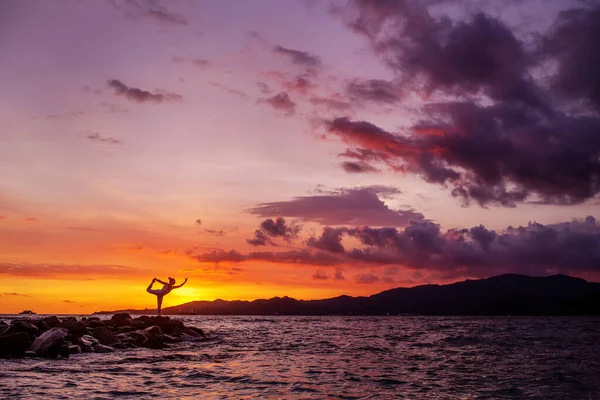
[[292, 147]]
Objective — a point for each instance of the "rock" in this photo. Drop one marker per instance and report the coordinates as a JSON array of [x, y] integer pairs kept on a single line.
[[23, 326], [75, 327], [155, 342], [49, 343], [65, 351], [120, 346], [154, 330], [94, 323], [52, 321], [103, 349], [15, 344], [140, 337], [105, 336], [166, 324], [139, 324], [30, 354], [197, 330], [126, 328], [191, 332], [41, 325], [74, 349], [89, 340], [170, 339], [120, 317], [68, 319]]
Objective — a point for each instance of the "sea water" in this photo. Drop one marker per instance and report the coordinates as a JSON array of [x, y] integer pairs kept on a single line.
[[338, 358]]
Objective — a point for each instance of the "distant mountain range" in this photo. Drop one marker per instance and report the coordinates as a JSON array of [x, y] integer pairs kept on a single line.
[[508, 294]]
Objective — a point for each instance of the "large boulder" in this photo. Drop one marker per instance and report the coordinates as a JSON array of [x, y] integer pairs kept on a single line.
[[197, 330], [23, 326], [15, 344], [41, 325], [89, 341], [126, 328], [139, 324], [94, 323], [69, 319], [105, 336], [75, 327], [155, 342], [51, 321], [49, 343], [139, 337], [120, 317], [154, 330]]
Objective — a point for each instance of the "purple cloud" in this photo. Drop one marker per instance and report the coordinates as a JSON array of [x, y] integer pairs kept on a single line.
[[277, 228], [341, 207], [302, 58], [360, 167], [282, 102], [148, 9], [95, 137], [140, 95]]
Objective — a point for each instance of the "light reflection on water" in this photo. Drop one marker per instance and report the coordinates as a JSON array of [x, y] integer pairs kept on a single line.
[[336, 357]]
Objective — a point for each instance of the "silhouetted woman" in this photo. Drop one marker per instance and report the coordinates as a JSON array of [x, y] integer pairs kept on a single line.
[[165, 290]]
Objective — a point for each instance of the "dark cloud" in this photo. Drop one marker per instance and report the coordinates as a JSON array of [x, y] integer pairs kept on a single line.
[[148, 9], [198, 222], [69, 301], [535, 249], [495, 154], [215, 232], [140, 95], [358, 167], [338, 275], [95, 137], [345, 206], [366, 278], [373, 90], [574, 42], [319, 275], [277, 229], [302, 58], [282, 102], [280, 228], [519, 121], [330, 240], [260, 239]]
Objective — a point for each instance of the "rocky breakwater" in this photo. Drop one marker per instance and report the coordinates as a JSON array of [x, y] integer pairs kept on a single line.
[[54, 337]]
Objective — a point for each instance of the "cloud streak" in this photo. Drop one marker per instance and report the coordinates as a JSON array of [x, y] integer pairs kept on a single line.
[[298, 57], [140, 95]]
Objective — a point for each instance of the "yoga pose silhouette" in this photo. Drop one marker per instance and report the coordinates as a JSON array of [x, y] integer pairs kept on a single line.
[[166, 289]]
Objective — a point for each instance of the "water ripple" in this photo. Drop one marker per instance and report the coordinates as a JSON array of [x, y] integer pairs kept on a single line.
[[338, 358]]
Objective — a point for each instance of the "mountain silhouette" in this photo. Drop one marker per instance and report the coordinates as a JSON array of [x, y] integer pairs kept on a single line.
[[508, 294]]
